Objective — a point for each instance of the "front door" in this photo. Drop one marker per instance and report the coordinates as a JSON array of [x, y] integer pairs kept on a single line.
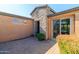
[[38, 26]]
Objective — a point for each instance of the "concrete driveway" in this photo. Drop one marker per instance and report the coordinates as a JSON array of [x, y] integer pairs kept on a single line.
[[26, 46]]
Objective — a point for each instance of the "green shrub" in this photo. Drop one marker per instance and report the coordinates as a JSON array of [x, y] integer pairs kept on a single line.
[[68, 44], [40, 36]]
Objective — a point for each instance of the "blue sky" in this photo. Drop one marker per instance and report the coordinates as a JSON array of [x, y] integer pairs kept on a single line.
[[26, 9]]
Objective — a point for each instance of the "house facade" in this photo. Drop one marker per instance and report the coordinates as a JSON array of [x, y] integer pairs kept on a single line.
[[64, 23], [44, 20], [53, 23], [39, 14]]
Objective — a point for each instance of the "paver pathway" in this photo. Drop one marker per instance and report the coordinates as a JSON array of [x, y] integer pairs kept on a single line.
[[26, 46]]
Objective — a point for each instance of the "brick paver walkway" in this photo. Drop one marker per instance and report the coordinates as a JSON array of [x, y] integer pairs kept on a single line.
[[26, 46]]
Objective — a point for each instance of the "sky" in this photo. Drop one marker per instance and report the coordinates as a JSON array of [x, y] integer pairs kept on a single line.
[[26, 9]]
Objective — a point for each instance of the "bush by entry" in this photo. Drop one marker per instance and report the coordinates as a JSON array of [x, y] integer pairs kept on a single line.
[[40, 36], [68, 44]]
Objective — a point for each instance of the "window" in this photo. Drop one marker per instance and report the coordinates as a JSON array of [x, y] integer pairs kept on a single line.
[[65, 26], [61, 27]]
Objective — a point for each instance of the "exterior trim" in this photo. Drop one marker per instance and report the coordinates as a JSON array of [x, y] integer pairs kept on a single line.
[[71, 25]]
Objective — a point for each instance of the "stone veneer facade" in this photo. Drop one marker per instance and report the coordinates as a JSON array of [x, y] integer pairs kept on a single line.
[[41, 16]]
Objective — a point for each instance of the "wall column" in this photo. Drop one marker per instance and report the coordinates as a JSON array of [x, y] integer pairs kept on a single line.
[[77, 24], [49, 28]]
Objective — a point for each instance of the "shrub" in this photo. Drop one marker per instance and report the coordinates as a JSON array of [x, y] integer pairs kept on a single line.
[[68, 44], [40, 36]]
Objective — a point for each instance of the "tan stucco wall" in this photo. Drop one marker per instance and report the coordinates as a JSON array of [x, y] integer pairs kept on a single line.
[[77, 24], [12, 31], [49, 28]]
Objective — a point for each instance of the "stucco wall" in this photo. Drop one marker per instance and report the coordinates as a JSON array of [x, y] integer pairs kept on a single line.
[[12, 28], [77, 24]]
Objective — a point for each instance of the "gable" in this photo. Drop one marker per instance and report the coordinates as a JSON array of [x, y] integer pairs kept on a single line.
[[42, 7]]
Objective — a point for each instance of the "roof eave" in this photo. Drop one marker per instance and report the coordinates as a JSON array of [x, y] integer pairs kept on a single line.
[[64, 12]]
